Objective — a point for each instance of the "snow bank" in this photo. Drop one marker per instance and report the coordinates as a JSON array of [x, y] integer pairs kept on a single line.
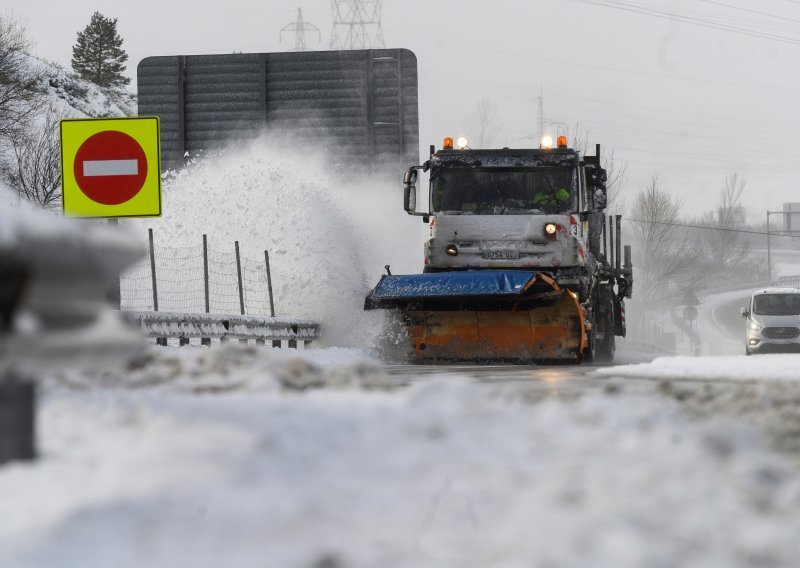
[[736, 367], [442, 473], [230, 367]]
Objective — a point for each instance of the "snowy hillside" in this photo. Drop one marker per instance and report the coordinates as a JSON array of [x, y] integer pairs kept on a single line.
[[78, 98], [67, 96]]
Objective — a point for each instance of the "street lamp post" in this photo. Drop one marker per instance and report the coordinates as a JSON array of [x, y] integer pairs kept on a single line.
[[769, 251]]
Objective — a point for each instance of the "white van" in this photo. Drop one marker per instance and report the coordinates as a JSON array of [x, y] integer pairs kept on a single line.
[[773, 321]]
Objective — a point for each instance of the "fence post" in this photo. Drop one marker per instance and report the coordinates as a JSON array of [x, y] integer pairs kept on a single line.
[[153, 270], [239, 273], [269, 285], [115, 293], [205, 272], [17, 418]]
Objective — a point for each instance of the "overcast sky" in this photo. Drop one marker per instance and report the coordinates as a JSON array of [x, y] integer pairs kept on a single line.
[[688, 101]]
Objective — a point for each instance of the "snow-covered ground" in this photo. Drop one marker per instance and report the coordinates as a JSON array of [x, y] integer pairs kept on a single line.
[[781, 367], [236, 456], [244, 456]]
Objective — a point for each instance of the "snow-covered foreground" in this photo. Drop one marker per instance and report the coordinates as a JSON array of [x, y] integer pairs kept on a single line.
[[735, 367], [240, 457]]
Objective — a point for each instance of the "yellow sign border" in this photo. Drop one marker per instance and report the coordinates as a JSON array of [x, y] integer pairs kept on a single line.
[[142, 204]]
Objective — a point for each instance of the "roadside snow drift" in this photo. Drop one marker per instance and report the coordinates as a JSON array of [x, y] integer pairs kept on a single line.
[[736, 367], [239, 457]]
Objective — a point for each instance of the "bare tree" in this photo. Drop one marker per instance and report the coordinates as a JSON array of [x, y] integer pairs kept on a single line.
[[19, 97], [579, 138], [484, 124], [616, 171], [616, 168], [32, 169], [669, 259], [730, 215]]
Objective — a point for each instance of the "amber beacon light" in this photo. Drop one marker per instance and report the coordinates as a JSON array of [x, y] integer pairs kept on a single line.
[[448, 143], [562, 141]]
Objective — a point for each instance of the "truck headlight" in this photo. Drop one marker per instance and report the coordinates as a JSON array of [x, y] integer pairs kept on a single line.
[[755, 326], [452, 250]]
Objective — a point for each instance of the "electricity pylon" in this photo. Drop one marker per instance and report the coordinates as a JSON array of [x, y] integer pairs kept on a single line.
[[357, 24], [300, 27]]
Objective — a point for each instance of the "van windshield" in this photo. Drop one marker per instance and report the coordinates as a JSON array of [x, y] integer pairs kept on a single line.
[[777, 304]]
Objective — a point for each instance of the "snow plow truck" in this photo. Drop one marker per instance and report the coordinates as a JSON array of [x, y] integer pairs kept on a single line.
[[522, 263]]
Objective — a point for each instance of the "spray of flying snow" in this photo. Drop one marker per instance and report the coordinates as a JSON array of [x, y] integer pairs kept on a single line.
[[329, 233]]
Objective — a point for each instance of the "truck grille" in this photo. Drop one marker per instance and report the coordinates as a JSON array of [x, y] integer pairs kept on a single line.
[[780, 332]]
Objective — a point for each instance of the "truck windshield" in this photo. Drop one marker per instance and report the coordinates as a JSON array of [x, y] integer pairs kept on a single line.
[[503, 191], [777, 304]]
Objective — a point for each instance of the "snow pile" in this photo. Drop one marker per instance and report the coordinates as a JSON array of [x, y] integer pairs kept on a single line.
[[231, 367], [737, 367], [329, 236], [443, 473]]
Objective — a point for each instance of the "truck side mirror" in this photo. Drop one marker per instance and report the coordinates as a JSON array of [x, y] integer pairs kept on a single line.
[[598, 193], [745, 312], [410, 199], [410, 192]]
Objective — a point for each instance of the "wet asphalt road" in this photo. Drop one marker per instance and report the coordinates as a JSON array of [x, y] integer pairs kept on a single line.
[[550, 377], [726, 316]]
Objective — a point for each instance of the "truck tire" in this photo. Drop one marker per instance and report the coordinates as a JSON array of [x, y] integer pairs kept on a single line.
[[590, 353], [605, 345]]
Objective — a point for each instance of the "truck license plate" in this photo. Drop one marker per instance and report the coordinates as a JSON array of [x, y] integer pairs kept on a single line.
[[500, 254]]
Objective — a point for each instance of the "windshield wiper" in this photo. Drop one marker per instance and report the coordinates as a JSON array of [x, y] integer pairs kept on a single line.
[[499, 195]]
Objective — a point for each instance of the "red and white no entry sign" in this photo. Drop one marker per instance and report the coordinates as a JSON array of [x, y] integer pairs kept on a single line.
[[110, 167]]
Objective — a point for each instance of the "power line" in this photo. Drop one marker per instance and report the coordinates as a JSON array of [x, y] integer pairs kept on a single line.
[[676, 17], [750, 11], [690, 226], [582, 65]]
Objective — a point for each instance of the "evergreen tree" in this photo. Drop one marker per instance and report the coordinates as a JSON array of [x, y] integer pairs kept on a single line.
[[98, 56]]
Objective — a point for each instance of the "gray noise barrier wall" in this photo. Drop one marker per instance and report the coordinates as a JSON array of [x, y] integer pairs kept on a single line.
[[358, 107]]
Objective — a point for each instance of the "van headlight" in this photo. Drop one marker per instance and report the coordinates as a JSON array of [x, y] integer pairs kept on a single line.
[[754, 326]]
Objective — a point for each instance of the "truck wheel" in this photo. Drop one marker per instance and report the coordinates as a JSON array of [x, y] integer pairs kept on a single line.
[[590, 353], [608, 347], [605, 345]]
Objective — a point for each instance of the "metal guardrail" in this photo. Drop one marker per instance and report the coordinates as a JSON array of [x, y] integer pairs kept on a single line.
[[183, 326], [788, 281], [780, 282]]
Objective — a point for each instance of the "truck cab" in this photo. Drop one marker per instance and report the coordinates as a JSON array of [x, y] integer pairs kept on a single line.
[[531, 209]]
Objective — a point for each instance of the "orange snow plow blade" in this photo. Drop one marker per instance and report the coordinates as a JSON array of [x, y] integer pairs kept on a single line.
[[485, 316]]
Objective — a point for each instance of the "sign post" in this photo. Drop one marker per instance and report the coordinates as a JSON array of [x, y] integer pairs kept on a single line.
[[111, 168]]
